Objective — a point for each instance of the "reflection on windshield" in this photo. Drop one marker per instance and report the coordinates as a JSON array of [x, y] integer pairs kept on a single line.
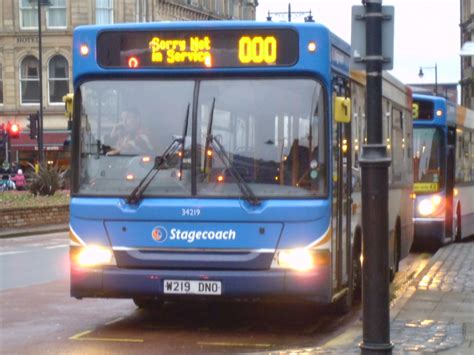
[[427, 156], [124, 125], [272, 131]]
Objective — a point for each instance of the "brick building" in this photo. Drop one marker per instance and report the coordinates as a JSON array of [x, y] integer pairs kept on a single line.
[[467, 63], [19, 64]]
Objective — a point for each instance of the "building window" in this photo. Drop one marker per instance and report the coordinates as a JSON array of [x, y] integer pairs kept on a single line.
[[58, 79], [56, 14], [1, 84], [220, 7], [141, 7], [104, 12], [29, 78], [28, 15]]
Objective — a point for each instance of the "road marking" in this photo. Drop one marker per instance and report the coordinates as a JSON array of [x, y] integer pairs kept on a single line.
[[233, 344], [12, 252], [57, 246], [80, 336], [114, 321]]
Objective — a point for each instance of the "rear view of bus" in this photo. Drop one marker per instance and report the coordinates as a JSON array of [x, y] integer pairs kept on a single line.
[[200, 162], [443, 172]]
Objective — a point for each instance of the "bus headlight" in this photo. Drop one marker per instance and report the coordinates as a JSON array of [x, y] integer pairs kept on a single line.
[[296, 259], [430, 205], [95, 255]]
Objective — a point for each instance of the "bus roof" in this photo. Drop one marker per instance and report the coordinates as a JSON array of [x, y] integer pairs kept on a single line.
[[331, 51], [459, 115], [446, 109]]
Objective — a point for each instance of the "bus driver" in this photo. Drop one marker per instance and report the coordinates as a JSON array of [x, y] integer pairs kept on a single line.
[[128, 137]]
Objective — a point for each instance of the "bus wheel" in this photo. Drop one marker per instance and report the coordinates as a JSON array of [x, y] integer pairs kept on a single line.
[[147, 303], [457, 225], [396, 255]]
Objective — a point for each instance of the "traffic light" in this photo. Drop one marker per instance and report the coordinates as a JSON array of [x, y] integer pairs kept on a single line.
[[14, 130], [33, 125]]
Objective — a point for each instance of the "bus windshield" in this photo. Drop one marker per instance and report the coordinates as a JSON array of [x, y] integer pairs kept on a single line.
[[427, 159], [270, 132]]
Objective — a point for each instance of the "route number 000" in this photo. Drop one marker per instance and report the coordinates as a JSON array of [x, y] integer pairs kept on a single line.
[[258, 50]]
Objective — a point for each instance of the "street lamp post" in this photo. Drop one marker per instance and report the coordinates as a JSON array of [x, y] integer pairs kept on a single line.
[[290, 13], [420, 74], [40, 57]]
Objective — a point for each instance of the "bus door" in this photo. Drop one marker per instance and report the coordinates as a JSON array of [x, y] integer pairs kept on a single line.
[[341, 197], [450, 176]]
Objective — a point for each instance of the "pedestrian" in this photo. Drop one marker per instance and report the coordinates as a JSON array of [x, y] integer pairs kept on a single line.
[[19, 180]]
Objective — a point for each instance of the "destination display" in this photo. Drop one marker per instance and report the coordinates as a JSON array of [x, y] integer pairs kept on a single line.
[[423, 110], [201, 49]]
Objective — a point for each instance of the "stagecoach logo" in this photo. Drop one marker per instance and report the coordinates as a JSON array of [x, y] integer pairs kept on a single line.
[[159, 234]]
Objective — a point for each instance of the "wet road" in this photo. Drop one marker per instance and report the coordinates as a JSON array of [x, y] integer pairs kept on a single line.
[[38, 317]]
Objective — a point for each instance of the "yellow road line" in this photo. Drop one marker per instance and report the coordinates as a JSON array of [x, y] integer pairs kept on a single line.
[[114, 321], [117, 340], [80, 336], [233, 344]]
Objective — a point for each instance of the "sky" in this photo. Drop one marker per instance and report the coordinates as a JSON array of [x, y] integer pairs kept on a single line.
[[426, 32]]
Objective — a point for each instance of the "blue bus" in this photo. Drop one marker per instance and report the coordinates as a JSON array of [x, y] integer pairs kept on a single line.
[[443, 171], [215, 160]]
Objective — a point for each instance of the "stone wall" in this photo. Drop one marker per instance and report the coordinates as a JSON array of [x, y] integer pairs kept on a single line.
[[34, 216]]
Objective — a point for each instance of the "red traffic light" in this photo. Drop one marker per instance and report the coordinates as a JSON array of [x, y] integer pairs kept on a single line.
[[14, 130]]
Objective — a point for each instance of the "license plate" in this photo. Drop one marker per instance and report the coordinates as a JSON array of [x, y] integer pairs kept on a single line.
[[192, 287]]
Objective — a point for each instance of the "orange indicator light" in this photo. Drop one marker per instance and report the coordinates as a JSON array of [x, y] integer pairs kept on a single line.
[[209, 152], [84, 50], [180, 154], [208, 61], [220, 178], [130, 177], [455, 192], [132, 62]]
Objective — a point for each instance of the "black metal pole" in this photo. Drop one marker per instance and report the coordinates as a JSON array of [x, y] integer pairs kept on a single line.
[[40, 117], [436, 79], [289, 12], [374, 162]]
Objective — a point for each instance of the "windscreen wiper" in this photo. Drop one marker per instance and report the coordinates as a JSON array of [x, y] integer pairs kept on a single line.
[[209, 133], [221, 152], [158, 164], [185, 132], [241, 183]]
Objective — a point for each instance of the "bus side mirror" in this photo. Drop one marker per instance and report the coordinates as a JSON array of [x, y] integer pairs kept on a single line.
[[68, 100], [342, 109]]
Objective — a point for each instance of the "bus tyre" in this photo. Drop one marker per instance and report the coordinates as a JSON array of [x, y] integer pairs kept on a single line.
[[345, 303], [457, 225], [396, 260], [396, 252], [148, 303]]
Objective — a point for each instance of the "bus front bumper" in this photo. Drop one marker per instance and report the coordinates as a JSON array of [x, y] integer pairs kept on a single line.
[[429, 231], [113, 282]]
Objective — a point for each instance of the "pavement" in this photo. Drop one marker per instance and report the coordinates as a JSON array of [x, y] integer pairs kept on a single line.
[[434, 315], [34, 230]]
